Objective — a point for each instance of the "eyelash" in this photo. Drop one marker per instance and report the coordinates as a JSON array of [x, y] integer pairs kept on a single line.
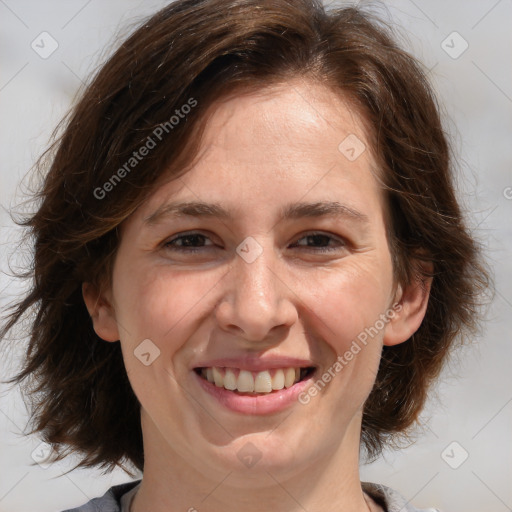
[[194, 250]]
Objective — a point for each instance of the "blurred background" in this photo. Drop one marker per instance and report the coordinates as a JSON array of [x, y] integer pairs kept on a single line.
[[462, 457]]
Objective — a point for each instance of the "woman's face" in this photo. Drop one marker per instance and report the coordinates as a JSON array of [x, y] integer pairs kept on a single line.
[[279, 262]]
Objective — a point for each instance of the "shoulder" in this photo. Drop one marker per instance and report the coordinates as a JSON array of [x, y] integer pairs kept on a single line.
[[391, 500], [109, 502]]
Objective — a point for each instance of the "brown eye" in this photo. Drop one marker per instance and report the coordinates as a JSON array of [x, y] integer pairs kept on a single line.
[[321, 242], [188, 242]]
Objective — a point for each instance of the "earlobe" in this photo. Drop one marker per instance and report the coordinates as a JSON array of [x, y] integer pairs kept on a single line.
[[413, 301], [101, 311]]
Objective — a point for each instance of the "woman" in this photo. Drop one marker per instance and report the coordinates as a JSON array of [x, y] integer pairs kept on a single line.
[[249, 260]]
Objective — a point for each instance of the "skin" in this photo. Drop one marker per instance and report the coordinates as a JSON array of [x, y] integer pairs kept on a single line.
[[259, 152]]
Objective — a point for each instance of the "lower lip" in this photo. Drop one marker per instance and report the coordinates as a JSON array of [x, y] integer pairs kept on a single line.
[[258, 404]]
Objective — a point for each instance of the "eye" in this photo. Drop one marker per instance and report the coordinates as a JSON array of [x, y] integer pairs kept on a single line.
[[188, 242], [322, 240], [195, 242]]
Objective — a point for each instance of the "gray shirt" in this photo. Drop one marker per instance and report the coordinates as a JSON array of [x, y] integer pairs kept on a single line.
[[118, 499]]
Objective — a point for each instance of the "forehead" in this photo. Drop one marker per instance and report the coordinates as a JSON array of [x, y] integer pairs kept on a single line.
[[294, 116], [285, 142]]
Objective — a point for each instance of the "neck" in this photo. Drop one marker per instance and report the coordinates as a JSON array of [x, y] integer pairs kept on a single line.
[[173, 482]]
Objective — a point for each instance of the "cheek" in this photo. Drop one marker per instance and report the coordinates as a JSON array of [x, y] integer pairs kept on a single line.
[[158, 303], [349, 299], [347, 306], [166, 308]]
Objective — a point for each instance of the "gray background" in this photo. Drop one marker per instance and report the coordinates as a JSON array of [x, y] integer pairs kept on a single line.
[[471, 407]]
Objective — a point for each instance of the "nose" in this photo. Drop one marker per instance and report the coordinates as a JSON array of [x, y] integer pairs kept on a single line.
[[257, 304]]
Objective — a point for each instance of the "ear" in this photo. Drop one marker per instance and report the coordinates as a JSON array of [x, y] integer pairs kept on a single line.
[[101, 311], [411, 305]]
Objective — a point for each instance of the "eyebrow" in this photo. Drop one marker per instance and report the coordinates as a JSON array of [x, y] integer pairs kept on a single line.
[[290, 211]]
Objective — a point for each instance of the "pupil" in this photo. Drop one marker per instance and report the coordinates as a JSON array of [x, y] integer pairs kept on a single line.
[[318, 239], [186, 241]]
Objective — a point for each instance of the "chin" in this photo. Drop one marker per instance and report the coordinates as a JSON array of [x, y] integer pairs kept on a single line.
[[253, 456]]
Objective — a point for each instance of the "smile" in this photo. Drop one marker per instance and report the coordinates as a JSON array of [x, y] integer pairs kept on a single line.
[[263, 382], [254, 392]]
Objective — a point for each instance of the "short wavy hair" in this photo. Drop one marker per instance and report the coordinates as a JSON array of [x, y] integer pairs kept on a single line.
[[81, 399]]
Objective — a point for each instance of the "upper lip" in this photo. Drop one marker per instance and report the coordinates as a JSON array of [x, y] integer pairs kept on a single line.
[[256, 364]]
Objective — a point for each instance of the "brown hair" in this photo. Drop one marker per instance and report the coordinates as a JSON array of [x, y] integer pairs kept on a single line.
[[200, 51]]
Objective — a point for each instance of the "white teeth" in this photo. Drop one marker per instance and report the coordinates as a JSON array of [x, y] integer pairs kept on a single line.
[[218, 377], [251, 382], [278, 380], [230, 380], [289, 377], [263, 382], [245, 381]]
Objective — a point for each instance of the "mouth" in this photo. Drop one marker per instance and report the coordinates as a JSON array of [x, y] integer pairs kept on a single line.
[[248, 383]]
